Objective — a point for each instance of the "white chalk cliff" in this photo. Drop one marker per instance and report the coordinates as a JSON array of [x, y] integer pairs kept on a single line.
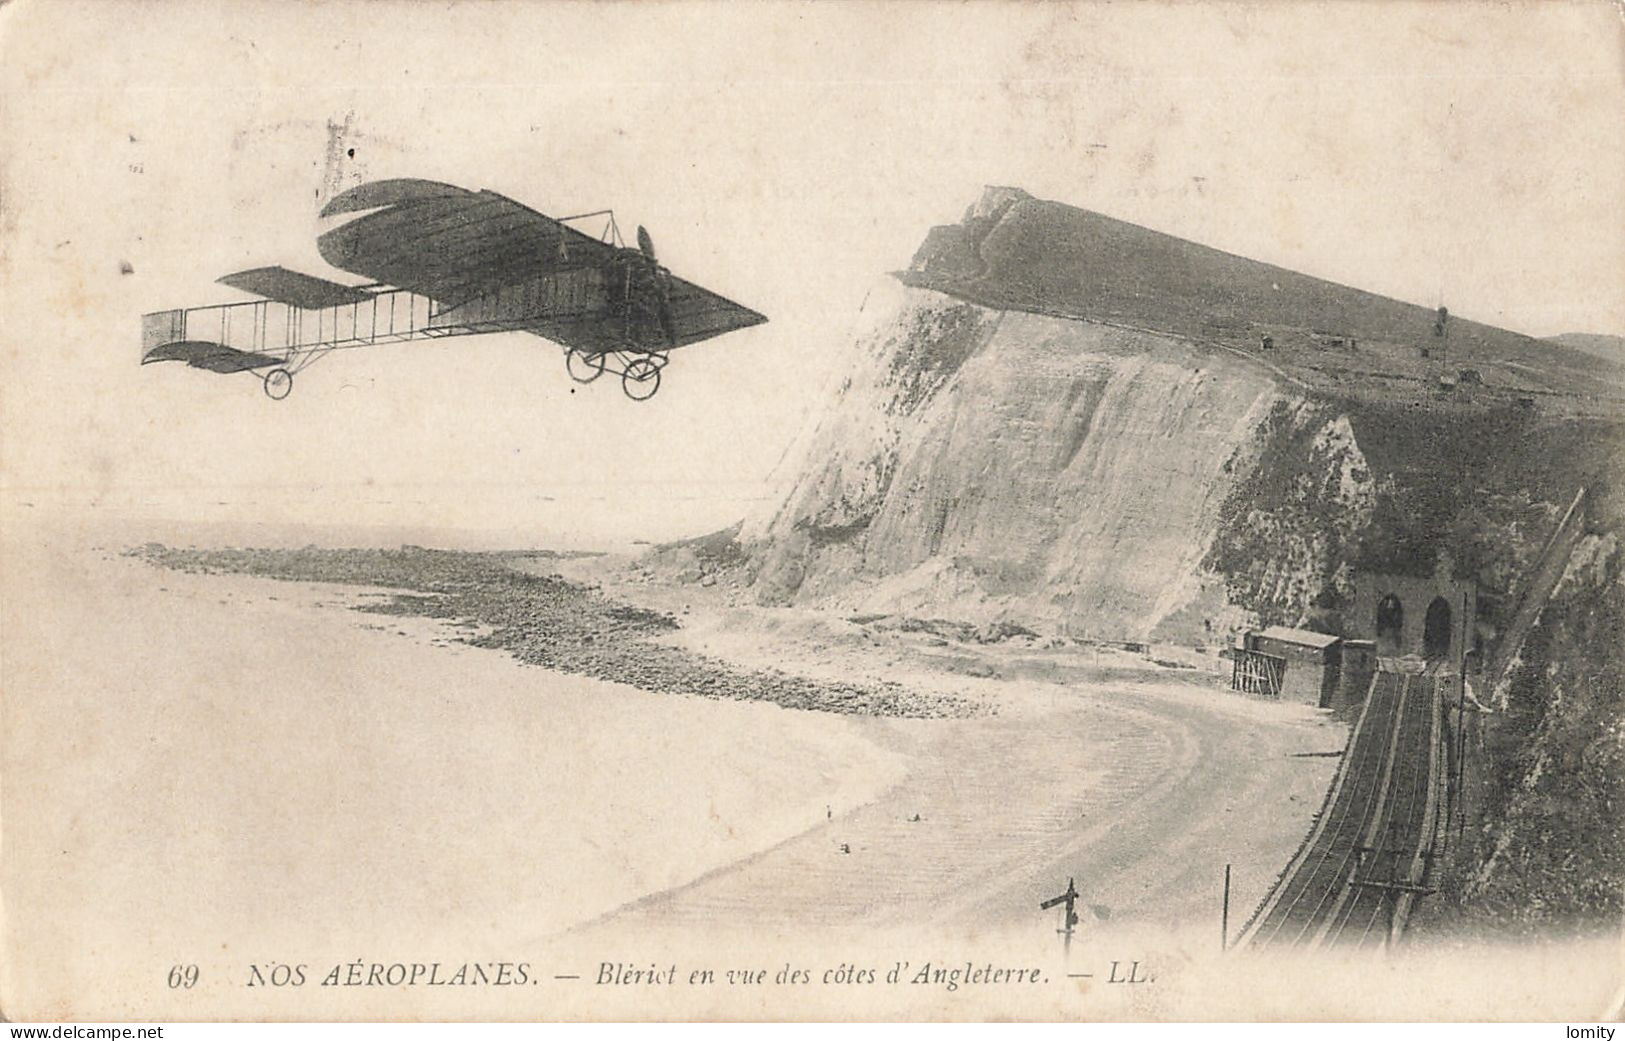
[[1046, 420]]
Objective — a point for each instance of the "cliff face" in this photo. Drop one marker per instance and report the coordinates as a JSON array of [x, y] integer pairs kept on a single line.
[[1005, 446], [1556, 759], [1543, 850], [995, 465]]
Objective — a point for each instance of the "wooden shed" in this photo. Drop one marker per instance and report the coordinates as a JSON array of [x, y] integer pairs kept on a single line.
[[1312, 662]]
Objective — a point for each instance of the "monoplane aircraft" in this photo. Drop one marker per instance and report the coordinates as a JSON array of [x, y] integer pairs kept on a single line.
[[446, 261]]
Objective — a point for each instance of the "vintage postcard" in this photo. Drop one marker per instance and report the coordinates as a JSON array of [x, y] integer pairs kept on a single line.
[[851, 511]]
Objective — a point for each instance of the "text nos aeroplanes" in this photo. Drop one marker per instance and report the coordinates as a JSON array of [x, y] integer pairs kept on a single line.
[[446, 261]]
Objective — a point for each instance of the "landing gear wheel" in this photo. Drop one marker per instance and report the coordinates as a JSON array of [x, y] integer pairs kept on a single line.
[[641, 379], [278, 384], [583, 367]]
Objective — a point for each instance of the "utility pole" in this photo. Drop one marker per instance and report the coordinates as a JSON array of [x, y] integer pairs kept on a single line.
[[1461, 770], [1441, 331], [1461, 728], [1224, 915]]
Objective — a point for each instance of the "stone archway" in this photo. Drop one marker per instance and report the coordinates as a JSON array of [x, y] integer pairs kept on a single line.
[[1390, 625], [1436, 630]]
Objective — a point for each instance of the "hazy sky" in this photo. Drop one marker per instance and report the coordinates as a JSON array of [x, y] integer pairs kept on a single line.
[[784, 155]]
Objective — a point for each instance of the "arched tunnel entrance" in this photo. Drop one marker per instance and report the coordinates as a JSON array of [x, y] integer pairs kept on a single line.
[[1429, 617], [1436, 630], [1390, 624]]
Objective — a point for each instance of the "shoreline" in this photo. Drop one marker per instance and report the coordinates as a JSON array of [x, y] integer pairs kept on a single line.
[[553, 622], [1152, 729]]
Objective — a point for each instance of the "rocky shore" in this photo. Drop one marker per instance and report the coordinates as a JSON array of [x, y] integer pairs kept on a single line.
[[548, 621]]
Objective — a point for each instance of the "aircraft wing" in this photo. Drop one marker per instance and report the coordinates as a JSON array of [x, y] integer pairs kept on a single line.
[[448, 243], [293, 288]]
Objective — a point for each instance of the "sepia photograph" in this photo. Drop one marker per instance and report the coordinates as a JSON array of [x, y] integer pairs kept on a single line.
[[685, 511]]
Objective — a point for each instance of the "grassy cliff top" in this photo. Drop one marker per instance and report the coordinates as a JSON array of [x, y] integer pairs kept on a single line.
[[1015, 252]]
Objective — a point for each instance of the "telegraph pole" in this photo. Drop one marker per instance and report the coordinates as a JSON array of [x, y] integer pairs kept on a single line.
[[1461, 729], [1441, 331]]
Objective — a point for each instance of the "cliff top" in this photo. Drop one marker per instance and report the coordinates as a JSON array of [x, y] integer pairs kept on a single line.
[[1015, 252]]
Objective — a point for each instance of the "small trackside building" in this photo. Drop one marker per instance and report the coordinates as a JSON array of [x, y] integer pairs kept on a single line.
[[1313, 662], [1358, 665]]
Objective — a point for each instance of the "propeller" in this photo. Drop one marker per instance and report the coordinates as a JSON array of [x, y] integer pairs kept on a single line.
[[662, 281]]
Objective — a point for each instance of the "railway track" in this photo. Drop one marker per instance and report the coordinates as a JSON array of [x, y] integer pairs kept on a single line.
[[1371, 846], [1399, 842]]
